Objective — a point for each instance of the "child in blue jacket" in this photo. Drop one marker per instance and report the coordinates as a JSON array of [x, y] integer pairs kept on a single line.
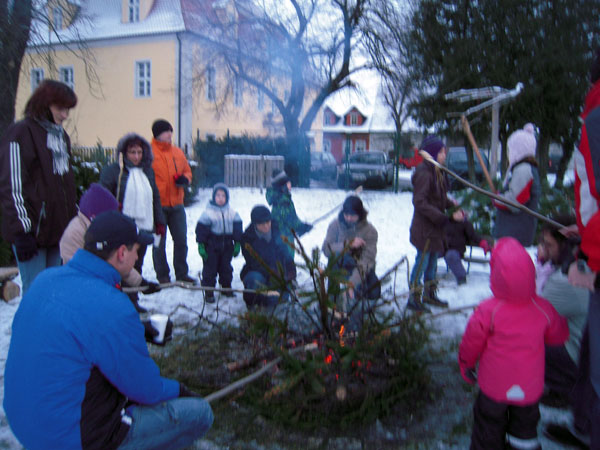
[[218, 234]]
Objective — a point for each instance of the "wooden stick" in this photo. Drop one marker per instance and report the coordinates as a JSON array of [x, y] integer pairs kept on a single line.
[[193, 287], [501, 199], [467, 130], [357, 191]]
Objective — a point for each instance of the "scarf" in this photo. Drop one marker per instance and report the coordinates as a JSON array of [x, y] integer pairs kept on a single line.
[[137, 201], [55, 141]]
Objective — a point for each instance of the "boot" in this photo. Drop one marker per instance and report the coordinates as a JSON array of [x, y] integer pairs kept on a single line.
[[209, 296], [227, 293], [133, 296], [414, 300], [430, 295]]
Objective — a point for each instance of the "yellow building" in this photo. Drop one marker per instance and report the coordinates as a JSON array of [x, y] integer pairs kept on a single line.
[[133, 61]]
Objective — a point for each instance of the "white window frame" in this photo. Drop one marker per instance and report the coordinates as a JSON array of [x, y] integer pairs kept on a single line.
[[134, 10], [143, 78], [211, 84], [260, 101], [57, 17], [37, 76], [353, 118], [238, 92], [67, 76], [360, 145]]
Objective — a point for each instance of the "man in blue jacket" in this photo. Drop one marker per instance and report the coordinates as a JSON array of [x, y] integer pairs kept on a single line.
[[78, 372]]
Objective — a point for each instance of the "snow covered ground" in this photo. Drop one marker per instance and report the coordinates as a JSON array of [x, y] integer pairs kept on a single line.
[[390, 213]]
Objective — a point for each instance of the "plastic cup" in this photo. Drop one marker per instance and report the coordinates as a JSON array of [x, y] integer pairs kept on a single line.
[[159, 322]]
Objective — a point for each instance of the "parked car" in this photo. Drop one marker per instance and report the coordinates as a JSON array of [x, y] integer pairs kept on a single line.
[[370, 169], [456, 161], [412, 161], [553, 161], [323, 165]]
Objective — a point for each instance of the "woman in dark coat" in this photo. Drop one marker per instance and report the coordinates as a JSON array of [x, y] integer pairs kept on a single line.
[[427, 228]]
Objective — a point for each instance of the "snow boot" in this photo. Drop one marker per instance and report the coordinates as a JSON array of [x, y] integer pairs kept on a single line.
[[133, 296], [430, 295], [227, 293], [414, 300]]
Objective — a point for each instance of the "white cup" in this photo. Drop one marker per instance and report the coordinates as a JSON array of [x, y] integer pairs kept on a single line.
[[159, 322], [156, 239]]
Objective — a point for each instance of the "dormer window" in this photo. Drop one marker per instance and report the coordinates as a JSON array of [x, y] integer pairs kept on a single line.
[[134, 10], [353, 118], [57, 17]]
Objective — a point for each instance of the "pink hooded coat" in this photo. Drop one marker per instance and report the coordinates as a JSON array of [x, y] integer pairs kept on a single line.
[[507, 332]]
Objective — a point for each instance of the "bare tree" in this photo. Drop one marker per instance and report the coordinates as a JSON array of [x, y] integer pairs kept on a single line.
[[296, 53]]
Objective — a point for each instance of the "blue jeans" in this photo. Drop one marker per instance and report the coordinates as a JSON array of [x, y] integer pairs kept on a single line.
[[256, 280], [426, 264], [46, 257], [177, 225], [172, 424], [454, 261]]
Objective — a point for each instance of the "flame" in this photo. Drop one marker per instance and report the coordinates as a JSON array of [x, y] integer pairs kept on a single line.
[[328, 359], [342, 330]]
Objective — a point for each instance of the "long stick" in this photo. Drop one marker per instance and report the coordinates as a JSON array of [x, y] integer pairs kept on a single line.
[[501, 199], [357, 191], [192, 287], [467, 129]]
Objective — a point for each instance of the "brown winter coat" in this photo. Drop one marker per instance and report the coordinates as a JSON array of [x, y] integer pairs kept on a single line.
[[73, 239], [339, 234], [429, 202]]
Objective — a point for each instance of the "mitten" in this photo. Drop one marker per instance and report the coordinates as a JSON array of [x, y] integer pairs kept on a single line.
[[25, 247], [485, 245], [202, 251], [236, 248], [149, 331], [150, 286], [468, 374], [181, 180], [185, 392], [161, 229]]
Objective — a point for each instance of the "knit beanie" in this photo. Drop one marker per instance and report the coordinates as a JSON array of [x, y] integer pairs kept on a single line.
[[96, 200], [160, 126], [521, 144], [279, 178], [432, 145], [595, 69], [260, 214], [354, 206], [223, 187]]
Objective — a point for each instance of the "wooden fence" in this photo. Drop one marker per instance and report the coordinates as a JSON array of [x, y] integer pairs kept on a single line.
[[251, 170], [104, 155]]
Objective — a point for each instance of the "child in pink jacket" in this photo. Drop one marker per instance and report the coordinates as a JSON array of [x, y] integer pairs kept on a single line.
[[506, 334]]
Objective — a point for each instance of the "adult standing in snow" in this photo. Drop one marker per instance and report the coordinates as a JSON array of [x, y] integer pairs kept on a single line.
[[264, 238], [586, 408], [352, 229], [78, 372], [522, 185], [37, 186], [430, 201], [283, 211], [173, 175]]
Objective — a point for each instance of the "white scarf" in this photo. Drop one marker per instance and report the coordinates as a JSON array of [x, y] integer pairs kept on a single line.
[[137, 201]]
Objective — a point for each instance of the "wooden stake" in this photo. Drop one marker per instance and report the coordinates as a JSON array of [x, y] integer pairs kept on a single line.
[[467, 130]]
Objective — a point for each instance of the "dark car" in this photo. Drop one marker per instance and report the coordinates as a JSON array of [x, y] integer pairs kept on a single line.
[[456, 161], [369, 169], [323, 166]]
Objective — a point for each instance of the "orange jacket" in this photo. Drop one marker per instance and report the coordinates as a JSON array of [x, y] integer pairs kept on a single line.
[[169, 162]]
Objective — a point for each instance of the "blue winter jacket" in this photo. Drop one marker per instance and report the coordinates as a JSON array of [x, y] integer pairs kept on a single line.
[[77, 356]]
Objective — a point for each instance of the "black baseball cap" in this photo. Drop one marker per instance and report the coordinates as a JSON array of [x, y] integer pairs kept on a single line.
[[111, 229]]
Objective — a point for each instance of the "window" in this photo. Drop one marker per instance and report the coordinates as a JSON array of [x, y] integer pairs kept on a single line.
[[134, 10], [66, 76], [326, 145], [57, 17], [143, 79], [260, 101], [37, 75], [211, 84], [353, 119], [238, 92], [361, 145]]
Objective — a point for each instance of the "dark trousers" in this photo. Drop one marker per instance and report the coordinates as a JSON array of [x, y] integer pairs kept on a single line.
[[177, 225], [256, 280], [454, 261], [496, 423], [561, 372], [218, 263], [140, 261]]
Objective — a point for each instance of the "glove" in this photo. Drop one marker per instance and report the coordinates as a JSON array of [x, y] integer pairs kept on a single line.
[[150, 286], [236, 248], [485, 245], [202, 251], [161, 229], [181, 180], [185, 392], [468, 375], [307, 228], [25, 247], [149, 331]]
